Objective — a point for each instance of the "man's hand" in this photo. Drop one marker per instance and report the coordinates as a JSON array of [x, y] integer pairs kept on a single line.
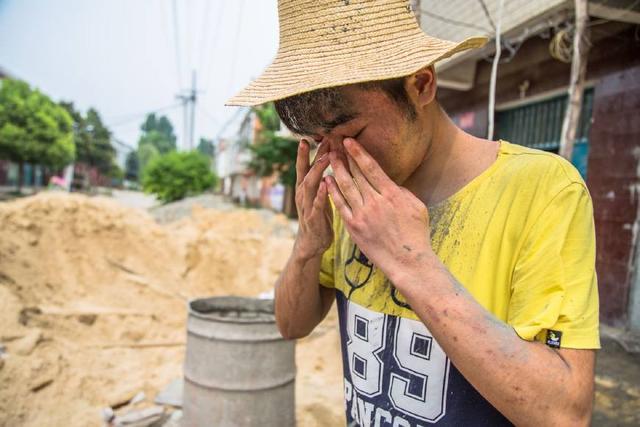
[[315, 233], [300, 302], [387, 222]]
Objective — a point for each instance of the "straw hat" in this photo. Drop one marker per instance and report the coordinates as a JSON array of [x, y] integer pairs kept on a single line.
[[325, 43]]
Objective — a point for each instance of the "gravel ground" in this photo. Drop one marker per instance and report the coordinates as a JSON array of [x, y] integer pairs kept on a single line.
[[134, 199], [182, 208], [179, 209], [617, 387]]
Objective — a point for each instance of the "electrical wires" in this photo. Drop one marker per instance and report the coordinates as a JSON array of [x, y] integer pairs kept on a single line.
[[454, 22], [137, 116], [235, 43], [176, 41], [487, 14]]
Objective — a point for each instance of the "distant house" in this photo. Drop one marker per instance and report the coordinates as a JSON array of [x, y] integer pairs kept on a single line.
[[531, 96], [241, 183], [232, 159]]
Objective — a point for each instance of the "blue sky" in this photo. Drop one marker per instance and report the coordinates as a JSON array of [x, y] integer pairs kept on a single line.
[[120, 56]]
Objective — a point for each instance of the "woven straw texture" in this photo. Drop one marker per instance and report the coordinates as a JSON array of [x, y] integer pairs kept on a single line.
[[326, 43]]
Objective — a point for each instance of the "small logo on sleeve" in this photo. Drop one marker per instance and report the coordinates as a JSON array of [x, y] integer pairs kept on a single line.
[[554, 338]]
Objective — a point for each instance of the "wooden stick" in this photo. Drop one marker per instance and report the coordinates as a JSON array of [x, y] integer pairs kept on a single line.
[[581, 47]]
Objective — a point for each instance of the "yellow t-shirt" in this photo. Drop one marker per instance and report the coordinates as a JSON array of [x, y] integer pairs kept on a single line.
[[519, 237]]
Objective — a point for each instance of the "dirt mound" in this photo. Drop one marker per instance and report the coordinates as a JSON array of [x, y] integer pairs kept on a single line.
[[93, 296]]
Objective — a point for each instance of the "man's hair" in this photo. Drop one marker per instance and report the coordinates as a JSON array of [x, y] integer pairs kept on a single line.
[[327, 108]]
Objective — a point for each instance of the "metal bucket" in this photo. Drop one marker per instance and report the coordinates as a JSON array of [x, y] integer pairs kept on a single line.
[[238, 371]]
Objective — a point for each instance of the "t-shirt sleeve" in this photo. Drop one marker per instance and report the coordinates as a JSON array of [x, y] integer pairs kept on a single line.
[[554, 288]]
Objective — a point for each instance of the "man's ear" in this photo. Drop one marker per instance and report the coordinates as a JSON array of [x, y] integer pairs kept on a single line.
[[423, 85]]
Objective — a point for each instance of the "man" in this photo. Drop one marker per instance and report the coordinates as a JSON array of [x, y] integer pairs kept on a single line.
[[463, 268]]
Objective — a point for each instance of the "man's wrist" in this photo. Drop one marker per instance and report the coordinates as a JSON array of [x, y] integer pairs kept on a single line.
[[302, 253], [416, 271]]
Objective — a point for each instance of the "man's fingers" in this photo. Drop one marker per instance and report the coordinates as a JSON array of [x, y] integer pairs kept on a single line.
[[364, 186], [322, 149], [302, 161], [321, 198], [345, 182], [338, 200], [369, 167], [312, 180]]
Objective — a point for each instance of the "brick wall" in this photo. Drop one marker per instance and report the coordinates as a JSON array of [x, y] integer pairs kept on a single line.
[[614, 182]]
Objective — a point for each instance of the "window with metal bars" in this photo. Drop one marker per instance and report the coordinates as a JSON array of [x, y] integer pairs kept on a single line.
[[539, 125]]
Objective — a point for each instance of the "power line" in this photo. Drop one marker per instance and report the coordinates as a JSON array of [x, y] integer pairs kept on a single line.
[[235, 44], [207, 114], [137, 116], [486, 13], [216, 33], [231, 119], [454, 22], [123, 144], [203, 36], [140, 113], [166, 30], [176, 42]]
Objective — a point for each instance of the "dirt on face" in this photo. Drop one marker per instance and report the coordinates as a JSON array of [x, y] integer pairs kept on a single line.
[[93, 302]]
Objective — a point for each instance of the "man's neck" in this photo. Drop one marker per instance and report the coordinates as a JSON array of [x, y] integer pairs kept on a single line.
[[452, 160]]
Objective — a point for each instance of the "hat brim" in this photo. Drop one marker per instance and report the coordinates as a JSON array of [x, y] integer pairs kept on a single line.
[[292, 74]]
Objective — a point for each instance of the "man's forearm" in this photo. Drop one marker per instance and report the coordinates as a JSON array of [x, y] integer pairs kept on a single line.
[[527, 381], [298, 303]]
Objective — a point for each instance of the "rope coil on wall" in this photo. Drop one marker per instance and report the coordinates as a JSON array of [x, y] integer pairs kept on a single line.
[[561, 45]]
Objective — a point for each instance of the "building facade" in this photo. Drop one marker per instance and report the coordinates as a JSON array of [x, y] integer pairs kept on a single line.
[[531, 98]]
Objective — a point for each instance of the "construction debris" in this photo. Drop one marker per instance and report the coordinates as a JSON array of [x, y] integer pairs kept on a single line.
[[139, 418], [171, 395]]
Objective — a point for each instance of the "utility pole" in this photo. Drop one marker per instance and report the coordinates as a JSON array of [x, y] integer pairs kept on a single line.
[[189, 100], [581, 46]]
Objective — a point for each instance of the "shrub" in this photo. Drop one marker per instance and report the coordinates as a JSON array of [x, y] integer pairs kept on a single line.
[[177, 175]]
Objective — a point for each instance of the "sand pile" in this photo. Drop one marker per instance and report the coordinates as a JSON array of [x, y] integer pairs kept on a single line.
[[92, 302]]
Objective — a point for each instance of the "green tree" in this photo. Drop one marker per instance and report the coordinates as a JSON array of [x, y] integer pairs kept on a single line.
[[146, 154], [273, 153], [159, 133], [158, 141], [206, 147], [276, 154], [177, 175], [131, 166], [33, 128], [93, 141]]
